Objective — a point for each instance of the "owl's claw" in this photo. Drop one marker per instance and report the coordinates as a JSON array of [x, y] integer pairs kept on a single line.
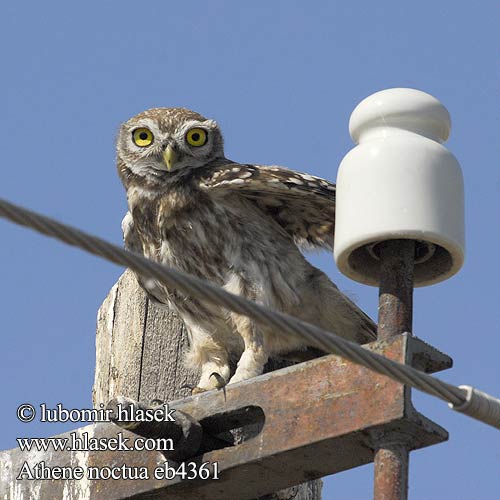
[[194, 389], [221, 382], [188, 386], [197, 390]]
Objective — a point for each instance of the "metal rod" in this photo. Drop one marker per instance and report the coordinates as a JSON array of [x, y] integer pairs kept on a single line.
[[395, 316], [391, 472], [395, 313]]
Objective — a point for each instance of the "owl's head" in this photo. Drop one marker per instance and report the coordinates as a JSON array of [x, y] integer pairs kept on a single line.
[[162, 141]]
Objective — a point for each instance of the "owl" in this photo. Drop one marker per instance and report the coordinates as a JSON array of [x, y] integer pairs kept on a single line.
[[239, 226]]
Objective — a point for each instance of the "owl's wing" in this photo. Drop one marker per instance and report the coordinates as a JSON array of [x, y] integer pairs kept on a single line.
[[303, 205]]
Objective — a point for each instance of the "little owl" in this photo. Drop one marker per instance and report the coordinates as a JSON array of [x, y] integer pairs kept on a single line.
[[238, 226]]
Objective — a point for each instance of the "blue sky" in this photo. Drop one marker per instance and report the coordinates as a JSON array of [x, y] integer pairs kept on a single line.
[[281, 78]]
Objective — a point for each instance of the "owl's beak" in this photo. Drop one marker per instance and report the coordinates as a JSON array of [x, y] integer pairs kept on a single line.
[[169, 157]]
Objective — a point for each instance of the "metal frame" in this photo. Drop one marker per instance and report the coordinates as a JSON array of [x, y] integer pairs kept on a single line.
[[302, 422]]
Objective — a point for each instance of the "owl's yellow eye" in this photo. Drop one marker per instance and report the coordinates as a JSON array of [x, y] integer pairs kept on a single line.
[[142, 137], [196, 137]]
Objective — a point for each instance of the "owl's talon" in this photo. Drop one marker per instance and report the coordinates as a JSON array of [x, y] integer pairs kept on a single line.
[[188, 386], [194, 389], [198, 390], [221, 382]]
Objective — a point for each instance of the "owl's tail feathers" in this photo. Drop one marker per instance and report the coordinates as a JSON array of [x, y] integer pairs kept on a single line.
[[362, 328], [340, 316], [328, 308]]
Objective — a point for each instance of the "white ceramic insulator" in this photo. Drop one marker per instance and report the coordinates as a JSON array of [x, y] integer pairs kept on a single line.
[[400, 183]]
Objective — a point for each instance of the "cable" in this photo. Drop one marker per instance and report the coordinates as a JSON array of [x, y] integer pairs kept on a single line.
[[465, 399]]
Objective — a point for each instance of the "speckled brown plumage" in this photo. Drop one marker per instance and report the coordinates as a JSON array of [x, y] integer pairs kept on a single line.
[[239, 226]]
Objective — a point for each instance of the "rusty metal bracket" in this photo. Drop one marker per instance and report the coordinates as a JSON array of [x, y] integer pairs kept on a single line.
[[301, 422]]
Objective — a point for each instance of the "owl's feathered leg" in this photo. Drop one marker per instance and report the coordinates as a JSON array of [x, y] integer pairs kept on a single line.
[[255, 354], [209, 355]]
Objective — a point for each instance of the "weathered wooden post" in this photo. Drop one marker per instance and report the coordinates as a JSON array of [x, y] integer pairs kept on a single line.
[[139, 349]]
